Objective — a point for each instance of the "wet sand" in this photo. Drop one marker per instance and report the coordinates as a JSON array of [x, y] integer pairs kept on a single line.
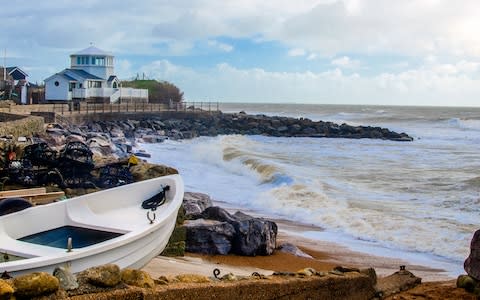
[[325, 256]]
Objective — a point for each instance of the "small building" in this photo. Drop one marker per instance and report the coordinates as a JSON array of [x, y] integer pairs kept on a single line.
[[90, 78], [13, 84]]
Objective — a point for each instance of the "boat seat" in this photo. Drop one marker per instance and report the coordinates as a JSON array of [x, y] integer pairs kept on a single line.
[[24, 249], [119, 220]]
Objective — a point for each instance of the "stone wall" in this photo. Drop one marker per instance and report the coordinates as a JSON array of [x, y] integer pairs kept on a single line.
[[19, 125], [350, 286]]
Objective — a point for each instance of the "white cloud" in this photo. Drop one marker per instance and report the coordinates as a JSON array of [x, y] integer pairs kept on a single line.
[[325, 27], [345, 62], [221, 46], [312, 56], [421, 86], [296, 52]]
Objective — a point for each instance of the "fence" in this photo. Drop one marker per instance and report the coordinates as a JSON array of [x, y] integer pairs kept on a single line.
[[126, 107]]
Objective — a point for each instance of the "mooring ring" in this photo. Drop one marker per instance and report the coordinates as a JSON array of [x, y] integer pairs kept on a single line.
[[149, 218]]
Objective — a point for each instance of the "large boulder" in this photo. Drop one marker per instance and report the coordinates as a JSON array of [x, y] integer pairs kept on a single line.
[[209, 236], [252, 236], [472, 263], [195, 203]]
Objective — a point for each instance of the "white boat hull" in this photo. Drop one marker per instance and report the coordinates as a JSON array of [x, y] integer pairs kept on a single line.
[[115, 210]]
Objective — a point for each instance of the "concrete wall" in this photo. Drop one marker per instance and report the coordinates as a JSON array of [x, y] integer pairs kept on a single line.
[[348, 287]]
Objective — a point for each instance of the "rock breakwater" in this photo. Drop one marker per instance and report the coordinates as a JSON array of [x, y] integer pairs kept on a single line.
[[182, 126]]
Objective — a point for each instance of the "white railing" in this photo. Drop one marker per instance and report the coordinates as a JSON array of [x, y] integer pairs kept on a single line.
[[79, 93], [123, 93], [129, 93], [115, 96]]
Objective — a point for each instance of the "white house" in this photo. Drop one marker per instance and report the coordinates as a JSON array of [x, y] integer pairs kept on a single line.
[[90, 78]]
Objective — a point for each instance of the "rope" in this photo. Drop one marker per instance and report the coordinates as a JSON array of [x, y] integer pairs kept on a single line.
[[157, 200]]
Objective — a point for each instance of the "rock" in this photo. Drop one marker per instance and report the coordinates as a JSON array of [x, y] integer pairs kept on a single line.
[[307, 272], [466, 282], [67, 280], [472, 263], [6, 290], [399, 281], [370, 272], [252, 236], [137, 278], [35, 284], [209, 236], [103, 276], [195, 203], [192, 278], [292, 249], [216, 213], [144, 171]]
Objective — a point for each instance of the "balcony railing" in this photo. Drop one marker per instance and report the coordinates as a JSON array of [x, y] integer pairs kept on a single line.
[[124, 93]]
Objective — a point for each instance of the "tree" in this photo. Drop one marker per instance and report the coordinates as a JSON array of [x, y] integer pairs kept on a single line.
[[158, 91]]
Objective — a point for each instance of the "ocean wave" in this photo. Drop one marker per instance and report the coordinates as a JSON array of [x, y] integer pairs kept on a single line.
[[465, 124], [235, 151]]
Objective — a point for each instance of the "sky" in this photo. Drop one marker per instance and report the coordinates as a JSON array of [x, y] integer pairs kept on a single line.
[[384, 52]]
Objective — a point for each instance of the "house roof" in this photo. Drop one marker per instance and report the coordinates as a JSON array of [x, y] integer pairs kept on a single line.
[[111, 78], [15, 72], [83, 74], [70, 75], [92, 51]]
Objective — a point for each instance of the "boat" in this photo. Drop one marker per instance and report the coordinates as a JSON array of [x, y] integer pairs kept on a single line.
[[126, 225]]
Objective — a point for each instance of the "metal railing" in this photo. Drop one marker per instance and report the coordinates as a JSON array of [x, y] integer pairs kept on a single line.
[[131, 107]]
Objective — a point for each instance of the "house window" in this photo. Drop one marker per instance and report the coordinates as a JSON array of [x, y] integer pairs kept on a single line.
[[71, 86], [94, 84], [56, 83], [78, 60]]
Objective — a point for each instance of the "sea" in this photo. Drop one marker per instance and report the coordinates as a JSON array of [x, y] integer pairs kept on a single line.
[[416, 200]]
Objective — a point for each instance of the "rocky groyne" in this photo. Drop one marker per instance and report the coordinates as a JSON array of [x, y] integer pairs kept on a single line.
[[206, 124]]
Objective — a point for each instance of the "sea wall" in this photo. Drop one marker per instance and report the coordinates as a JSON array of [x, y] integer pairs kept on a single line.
[[17, 125], [349, 286]]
